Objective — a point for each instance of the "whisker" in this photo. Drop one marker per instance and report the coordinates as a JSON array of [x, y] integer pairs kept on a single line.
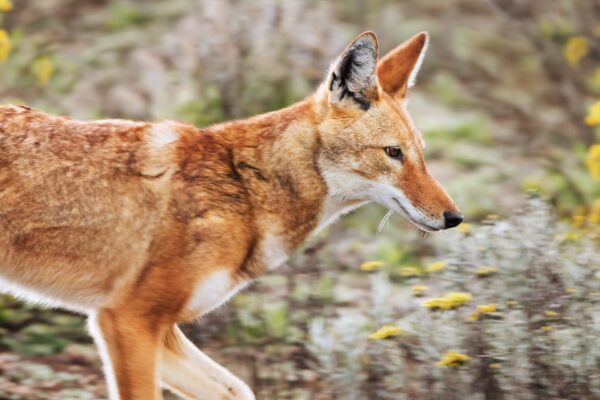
[[384, 221]]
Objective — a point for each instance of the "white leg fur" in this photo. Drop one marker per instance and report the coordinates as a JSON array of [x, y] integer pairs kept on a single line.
[[192, 374], [109, 374]]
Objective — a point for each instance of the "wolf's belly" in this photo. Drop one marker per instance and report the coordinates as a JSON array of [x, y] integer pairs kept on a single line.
[[70, 297], [75, 268], [73, 244]]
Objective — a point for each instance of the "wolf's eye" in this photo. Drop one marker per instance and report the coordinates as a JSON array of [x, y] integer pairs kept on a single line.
[[394, 152]]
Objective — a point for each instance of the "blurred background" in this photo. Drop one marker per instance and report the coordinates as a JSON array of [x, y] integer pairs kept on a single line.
[[508, 99]]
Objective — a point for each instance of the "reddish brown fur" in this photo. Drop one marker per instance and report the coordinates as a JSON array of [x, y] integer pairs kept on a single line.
[[115, 219], [394, 71]]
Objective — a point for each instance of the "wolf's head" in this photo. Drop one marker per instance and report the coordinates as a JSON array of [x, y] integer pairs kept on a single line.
[[371, 149]]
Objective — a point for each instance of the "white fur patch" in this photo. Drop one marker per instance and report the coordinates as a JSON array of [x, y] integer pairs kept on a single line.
[[161, 151], [274, 251], [334, 209], [346, 192], [344, 185], [109, 375], [162, 134], [213, 291], [393, 198], [359, 62], [118, 122], [412, 79], [83, 302], [200, 377]]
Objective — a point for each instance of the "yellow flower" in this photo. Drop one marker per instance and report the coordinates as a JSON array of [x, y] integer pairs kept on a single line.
[[482, 309], [43, 68], [546, 328], [436, 303], [474, 316], [464, 228], [487, 308], [371, 265], [593, 115], [386, 331], [6, 5], [570, 290], [485, 271], [5, 46], [409, 272], [576, 48], [593, 158], [458, 298], [448, 301], [436, 266], [551, 314], [495, 366], [453, 359], [418, 290]]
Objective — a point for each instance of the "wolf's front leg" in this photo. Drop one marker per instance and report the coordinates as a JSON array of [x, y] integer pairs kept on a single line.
[[129, 346], [192, 374]]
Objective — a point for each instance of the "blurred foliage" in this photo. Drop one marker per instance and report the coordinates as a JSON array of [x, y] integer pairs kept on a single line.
[[515, 317], [32, 330], [508, 101]]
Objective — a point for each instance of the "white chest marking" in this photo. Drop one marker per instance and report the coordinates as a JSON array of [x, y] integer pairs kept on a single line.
[[274, 251], [213, 291]]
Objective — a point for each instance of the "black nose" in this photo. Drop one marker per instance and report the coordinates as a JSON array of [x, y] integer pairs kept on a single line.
[[452, 219]]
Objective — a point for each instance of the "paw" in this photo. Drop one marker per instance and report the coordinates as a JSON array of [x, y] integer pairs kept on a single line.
[[238, 390]]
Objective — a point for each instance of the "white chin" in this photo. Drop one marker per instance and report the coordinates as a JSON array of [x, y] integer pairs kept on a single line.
[[421, 225], [425, 228]]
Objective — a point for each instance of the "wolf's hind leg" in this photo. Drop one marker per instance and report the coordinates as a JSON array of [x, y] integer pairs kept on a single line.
[[192, 374]]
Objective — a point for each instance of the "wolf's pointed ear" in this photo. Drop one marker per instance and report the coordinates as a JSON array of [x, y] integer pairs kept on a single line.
[[398, 70], [352, 77]]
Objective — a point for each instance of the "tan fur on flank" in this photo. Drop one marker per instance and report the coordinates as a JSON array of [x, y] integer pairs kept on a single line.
[[144, 225]]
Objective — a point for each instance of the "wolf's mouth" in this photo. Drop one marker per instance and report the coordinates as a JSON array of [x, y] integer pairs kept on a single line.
[[424, 227], [418, 224]]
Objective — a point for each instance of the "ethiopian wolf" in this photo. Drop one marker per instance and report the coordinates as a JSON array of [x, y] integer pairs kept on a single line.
[[143, 225]]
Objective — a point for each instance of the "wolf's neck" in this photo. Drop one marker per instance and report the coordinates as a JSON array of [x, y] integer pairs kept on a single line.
[[276, 157]]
